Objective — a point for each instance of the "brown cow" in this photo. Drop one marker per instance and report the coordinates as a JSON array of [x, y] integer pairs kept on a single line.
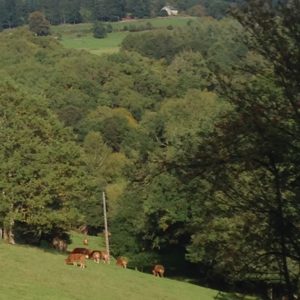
[[122, 262], [59, 244], [76, 259], [104, 257], [95, 255], [84, 251], [158, 270]]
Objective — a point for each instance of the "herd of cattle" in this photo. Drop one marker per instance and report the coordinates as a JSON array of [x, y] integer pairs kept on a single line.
[[78, 257]]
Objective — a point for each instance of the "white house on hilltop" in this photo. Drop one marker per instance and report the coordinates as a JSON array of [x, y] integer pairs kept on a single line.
[[171, 11]]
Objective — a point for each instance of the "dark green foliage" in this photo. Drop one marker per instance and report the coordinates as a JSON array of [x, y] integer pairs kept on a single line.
[[138, 8], [217, 8], [114, 130], [106, 10], [16, 12], [11, 13], [99, 30], [243, 173], [155, 44], [195, 140], [161, 197], [192, 72], [255, 154], [42, 172], [109, 28], [216, 41]]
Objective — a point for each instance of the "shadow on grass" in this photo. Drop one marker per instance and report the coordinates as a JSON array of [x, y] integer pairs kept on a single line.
[[230, 296], [54, 251]]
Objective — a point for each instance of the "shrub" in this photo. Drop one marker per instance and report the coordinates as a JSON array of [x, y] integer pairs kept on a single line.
[[109, 28], [38, 23], [99, 30]]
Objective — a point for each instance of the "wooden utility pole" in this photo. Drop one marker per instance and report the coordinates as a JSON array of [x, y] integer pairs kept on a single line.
[[105, 226]]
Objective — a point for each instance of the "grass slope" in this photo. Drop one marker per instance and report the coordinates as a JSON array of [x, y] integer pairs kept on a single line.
[[110, 44], [29, 273], [79, 36]]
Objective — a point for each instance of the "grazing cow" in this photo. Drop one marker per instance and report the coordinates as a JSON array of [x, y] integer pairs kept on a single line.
[[158, 270], [76, 259], [84, 251], [105, 257], [122, 262], [85, 242], [59, 244], [95, 256]]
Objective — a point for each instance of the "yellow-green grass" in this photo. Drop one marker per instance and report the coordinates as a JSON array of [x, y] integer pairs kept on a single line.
[[85, 28], [79, 36], [94, 242], [29, 273], [110, 44], [72, 29]]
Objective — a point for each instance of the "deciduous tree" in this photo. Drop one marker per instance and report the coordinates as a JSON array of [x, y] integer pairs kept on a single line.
[[38, 23], [42, 175]]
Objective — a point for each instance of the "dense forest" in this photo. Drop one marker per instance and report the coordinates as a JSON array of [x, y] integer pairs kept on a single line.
[[193, 133], [15, 12]]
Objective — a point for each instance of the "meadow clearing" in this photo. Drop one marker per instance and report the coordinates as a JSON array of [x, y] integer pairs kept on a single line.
[[79, 36]]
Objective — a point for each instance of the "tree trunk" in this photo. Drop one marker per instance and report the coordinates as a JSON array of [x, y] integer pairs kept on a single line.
[[8, 235], [282, 233]]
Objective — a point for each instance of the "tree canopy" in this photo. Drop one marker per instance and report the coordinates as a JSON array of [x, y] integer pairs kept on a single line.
[[14, 13]]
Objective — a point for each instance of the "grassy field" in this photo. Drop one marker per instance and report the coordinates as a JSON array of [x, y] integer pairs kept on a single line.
[[110, 44], [79, 36], [34, 274], [29, 273], [95, 242]]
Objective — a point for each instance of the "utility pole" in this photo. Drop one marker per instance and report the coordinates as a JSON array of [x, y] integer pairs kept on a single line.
[[105, 226]]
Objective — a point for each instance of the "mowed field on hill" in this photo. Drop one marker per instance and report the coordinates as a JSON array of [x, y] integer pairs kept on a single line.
[[79, 36], [29, 273]]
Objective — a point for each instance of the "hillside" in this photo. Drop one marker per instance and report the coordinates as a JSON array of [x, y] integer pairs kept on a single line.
[[191, 132], [34, 274]]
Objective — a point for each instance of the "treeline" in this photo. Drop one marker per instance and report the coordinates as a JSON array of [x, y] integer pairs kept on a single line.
[[15, 12], [193, 134]]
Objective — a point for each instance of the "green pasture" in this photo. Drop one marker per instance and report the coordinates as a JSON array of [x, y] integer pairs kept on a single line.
[[110, 44], [29, 273], [95, 242], [79, 36]]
